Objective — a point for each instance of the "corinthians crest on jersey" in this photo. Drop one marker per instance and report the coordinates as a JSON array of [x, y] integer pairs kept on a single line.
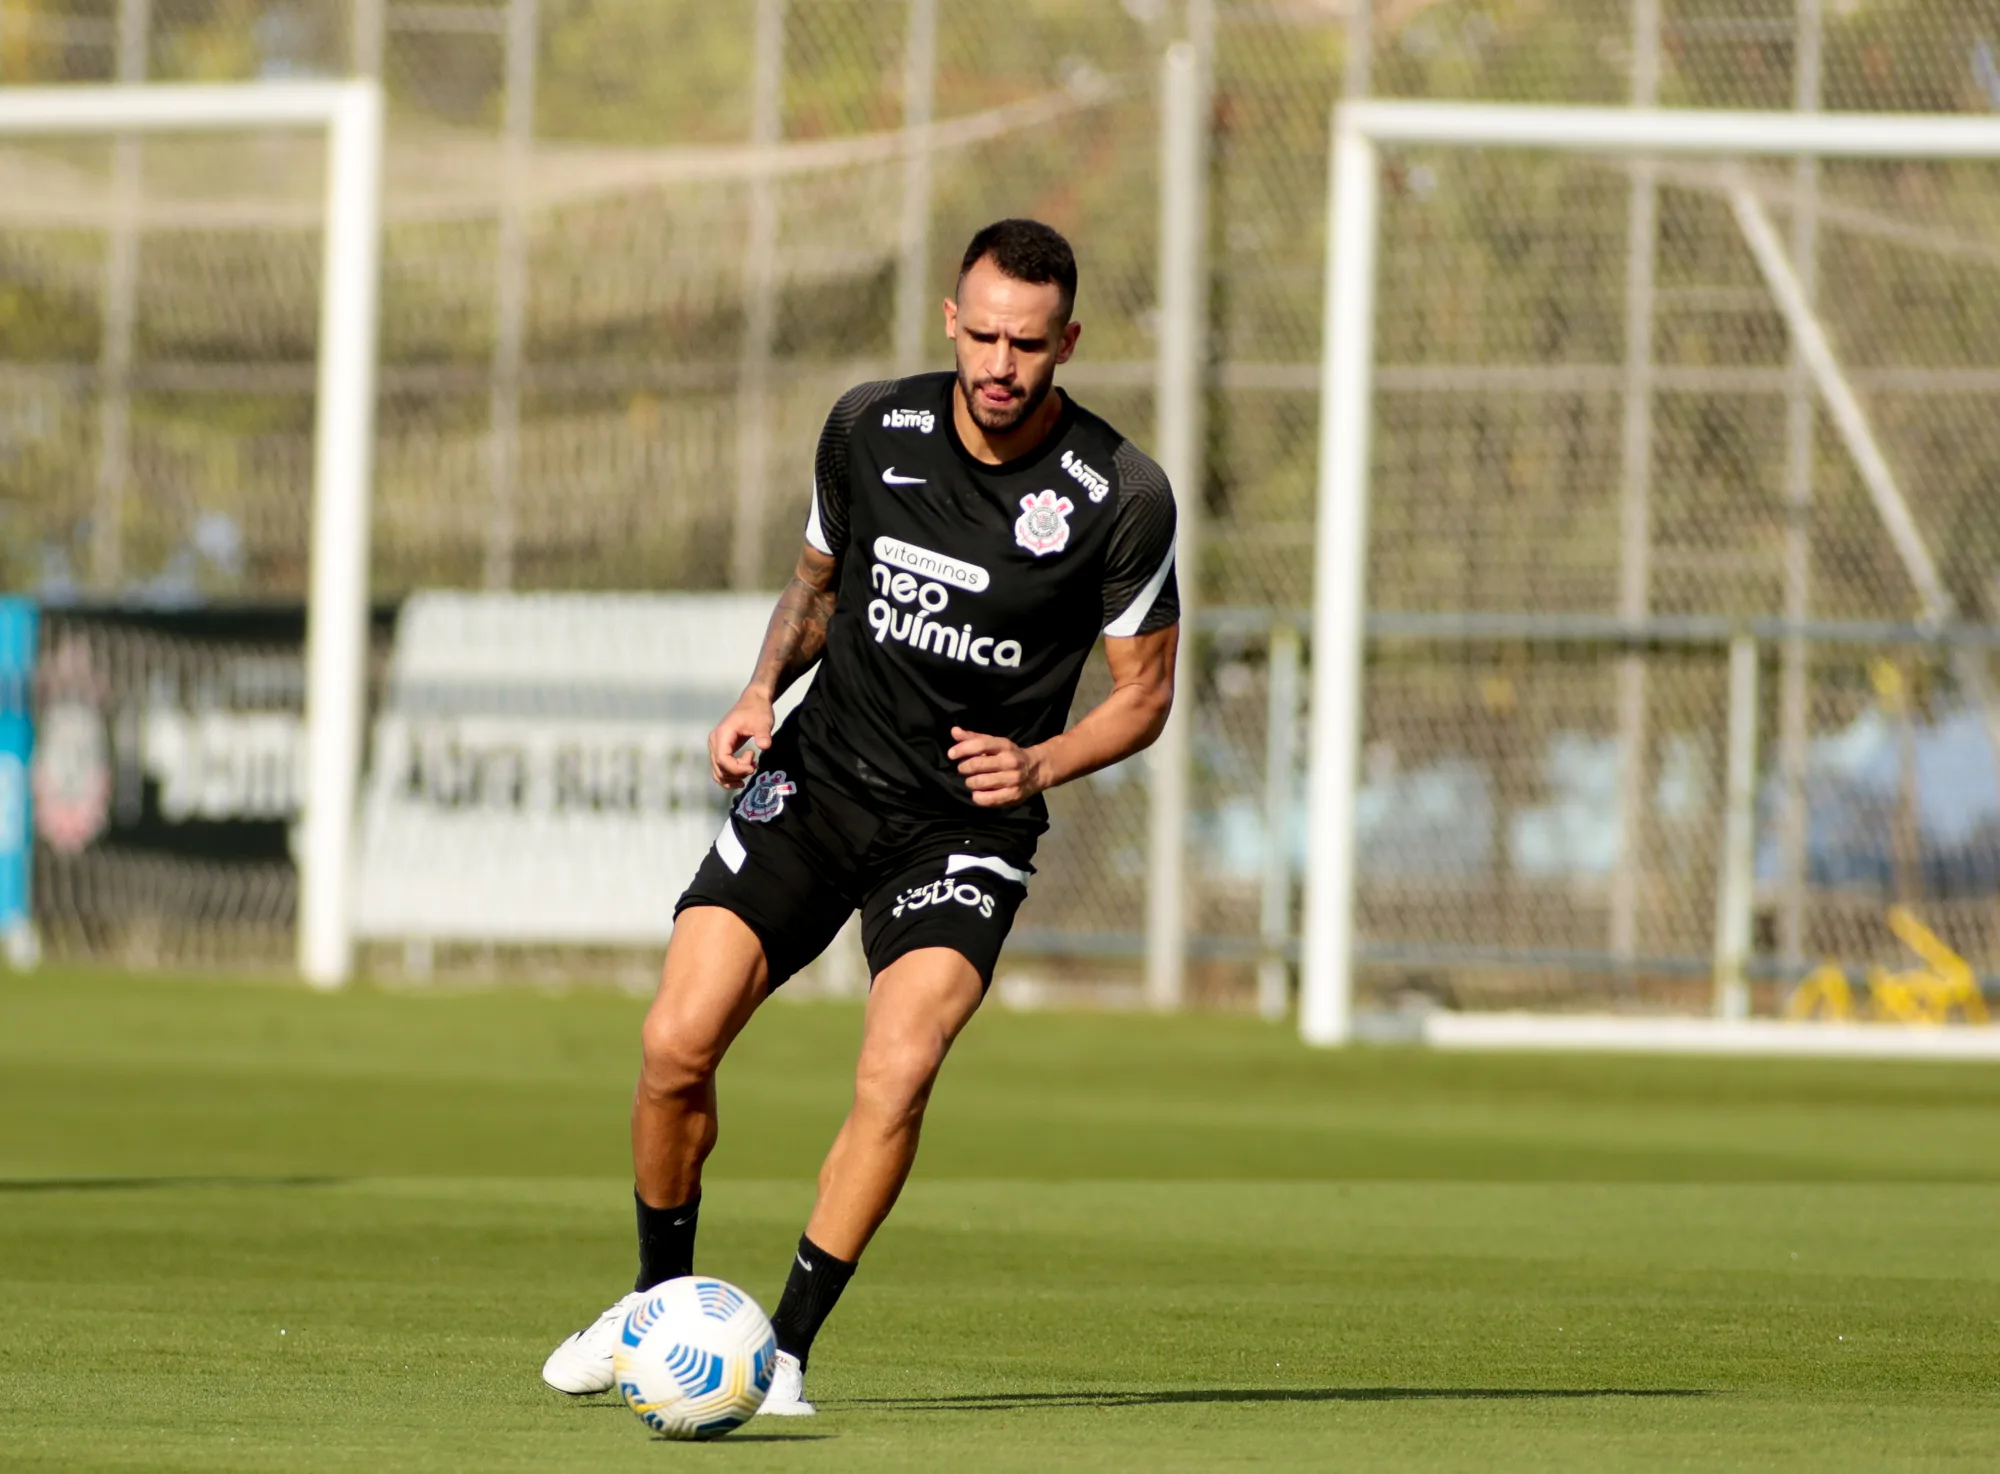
[[1043, 526]]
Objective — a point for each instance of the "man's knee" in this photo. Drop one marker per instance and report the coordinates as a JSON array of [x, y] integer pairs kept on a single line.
[[895, 1075], [710, 984], [676, 1059]]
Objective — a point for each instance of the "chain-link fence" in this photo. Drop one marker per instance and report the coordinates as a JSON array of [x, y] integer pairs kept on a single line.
[[633, 250]]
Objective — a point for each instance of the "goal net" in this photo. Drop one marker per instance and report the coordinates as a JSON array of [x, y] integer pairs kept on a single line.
[[1608, 394]]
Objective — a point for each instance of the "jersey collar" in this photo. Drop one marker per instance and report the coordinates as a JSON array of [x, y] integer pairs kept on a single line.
[[1021, 462]]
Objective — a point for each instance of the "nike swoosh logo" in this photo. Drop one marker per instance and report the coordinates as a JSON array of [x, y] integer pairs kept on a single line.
[[682, 1222], [890, 478], [802, 1263]]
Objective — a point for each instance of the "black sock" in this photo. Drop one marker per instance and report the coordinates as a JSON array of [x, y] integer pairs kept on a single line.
[[666, 1241], [811, 1291]]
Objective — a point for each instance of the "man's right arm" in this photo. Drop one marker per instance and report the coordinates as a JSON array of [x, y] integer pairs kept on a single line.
[[797, 632], [792, 643]]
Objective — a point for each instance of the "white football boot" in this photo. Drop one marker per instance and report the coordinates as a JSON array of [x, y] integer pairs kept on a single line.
[[787, 1397], [582, 1363]]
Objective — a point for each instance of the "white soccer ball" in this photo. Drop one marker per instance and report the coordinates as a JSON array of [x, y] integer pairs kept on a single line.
[[694, 1358]]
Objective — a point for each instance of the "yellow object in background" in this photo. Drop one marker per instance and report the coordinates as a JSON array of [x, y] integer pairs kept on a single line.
[[1822, 993], [1925, 995], [1887, 679]]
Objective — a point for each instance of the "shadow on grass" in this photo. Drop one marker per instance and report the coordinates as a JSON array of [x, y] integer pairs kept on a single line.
[[153, 1184], [1004, 1401], [613, 1400]]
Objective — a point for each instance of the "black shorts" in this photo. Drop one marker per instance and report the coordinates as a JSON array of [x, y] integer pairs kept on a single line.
[[798, 855]]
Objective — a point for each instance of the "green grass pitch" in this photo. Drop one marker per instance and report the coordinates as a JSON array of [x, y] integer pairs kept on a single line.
[[250, 1228]]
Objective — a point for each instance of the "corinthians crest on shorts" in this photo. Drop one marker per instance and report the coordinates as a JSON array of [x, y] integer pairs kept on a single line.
[[1043, 526], [764, 799]]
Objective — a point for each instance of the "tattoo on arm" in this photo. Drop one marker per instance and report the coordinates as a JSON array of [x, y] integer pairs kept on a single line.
[[797, 632]]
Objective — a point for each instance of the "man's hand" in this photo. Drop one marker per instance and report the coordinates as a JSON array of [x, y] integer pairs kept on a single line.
[[999, 772], [749, 720], [793, 641]]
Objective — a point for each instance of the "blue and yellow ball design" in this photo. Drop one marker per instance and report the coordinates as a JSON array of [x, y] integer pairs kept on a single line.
[[695, 1357]]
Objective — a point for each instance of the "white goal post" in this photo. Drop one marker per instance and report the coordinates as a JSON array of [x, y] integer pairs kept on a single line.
[[1360, 130], [350, 113]]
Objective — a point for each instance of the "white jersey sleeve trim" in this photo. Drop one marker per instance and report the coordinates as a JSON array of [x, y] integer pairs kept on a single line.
[[816, 534], [1127, 624], [729, 848], [986, 862]]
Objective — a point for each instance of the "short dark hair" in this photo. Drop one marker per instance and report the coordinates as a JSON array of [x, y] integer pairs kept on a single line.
[[1028, 251]]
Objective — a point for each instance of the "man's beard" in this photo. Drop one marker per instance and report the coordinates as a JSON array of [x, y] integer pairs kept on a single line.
[[999, 422]]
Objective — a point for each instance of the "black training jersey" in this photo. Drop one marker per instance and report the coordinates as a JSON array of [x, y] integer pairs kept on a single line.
[[970, 594]]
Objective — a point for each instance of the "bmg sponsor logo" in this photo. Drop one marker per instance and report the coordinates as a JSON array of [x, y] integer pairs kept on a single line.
[[1093, 481], [923, 421]]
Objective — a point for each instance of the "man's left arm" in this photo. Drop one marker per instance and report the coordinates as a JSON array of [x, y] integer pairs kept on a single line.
[[1002, 773]]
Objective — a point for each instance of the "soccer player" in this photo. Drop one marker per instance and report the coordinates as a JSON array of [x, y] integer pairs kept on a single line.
[[970, 536]]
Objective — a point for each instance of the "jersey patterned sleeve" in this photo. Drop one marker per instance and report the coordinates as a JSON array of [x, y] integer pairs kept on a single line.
[[1140, 592], [826, 523]]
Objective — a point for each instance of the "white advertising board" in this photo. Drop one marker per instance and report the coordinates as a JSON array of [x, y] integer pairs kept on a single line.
[[539, 769]]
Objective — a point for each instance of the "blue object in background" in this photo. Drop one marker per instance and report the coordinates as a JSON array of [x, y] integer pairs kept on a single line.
[[1853, 787], [18, 618]]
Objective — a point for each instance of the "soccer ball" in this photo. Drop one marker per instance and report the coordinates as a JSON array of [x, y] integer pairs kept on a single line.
[[694, 1358]]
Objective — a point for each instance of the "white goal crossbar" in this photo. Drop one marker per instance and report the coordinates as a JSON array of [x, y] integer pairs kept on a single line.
[[337, 598], [1360, 129]]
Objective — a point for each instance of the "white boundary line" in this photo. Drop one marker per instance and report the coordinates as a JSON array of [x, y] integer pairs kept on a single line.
[[1618, 1034]]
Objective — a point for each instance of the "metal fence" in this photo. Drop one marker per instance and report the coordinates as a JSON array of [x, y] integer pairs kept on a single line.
[[634, 249]]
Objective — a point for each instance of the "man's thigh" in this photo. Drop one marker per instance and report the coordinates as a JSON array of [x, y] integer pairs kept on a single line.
[[916, 1008], [713, 979]]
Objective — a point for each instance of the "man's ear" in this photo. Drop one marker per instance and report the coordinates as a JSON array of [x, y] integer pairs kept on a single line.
[[950, 318], [1070, 333]]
